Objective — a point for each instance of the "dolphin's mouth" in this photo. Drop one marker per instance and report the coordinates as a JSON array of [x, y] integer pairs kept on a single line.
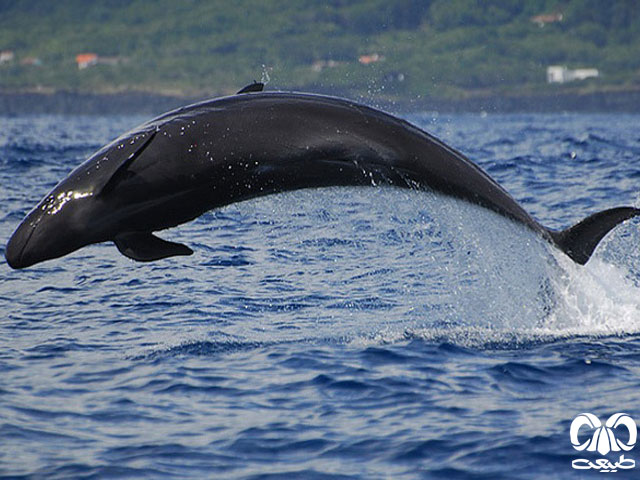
[[17, 245]]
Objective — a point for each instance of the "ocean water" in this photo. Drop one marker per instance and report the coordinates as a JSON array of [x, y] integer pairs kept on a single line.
[[340, 333]]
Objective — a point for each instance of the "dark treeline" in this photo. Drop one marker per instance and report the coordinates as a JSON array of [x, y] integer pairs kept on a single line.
[[437, 48]]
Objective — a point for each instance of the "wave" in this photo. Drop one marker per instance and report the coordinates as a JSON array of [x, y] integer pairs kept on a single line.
[[452, 273]]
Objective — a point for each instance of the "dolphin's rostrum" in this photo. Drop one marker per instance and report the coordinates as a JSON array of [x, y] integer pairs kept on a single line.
[[175, 167]]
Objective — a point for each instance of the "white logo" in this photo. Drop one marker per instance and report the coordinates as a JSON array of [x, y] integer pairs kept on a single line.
[[604, 441]]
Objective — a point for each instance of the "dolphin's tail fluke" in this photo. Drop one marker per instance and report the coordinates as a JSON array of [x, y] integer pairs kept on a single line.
[[581, 240]]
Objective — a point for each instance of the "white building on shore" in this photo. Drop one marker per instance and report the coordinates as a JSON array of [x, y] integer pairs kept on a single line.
[[561, 74], [6, 56]]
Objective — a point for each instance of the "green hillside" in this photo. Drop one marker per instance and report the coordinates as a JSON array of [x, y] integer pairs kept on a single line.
[[438, 48]]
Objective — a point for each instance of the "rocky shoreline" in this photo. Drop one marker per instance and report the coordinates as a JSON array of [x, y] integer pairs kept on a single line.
[[151, 103]]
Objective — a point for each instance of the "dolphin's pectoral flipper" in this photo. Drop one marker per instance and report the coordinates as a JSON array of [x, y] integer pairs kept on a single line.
[[581, 240], [254, 87], [146, 247]]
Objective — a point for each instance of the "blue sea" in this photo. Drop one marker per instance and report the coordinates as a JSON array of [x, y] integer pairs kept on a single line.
[[338, 333]]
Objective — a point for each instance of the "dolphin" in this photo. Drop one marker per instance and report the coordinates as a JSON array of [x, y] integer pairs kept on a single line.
[[172, 169]]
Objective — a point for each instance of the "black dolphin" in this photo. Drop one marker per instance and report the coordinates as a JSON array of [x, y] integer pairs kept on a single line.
[[175, 167]]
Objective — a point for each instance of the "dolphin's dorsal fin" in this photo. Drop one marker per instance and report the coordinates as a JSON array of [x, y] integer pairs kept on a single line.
[[254, 87], [121, 172], [146, 247]]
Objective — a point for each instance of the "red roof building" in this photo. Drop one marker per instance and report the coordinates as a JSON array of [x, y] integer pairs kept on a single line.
[[85, 60], [542, 20]]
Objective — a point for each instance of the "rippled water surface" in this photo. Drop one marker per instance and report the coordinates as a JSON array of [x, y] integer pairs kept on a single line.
[[339, 333]]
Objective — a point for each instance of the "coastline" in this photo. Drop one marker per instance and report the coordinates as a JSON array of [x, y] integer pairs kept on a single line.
[[627, 101], [74, 103]]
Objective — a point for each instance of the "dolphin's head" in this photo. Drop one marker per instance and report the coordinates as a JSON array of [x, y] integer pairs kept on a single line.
[[52, 229], [74, 213], [83, 208]]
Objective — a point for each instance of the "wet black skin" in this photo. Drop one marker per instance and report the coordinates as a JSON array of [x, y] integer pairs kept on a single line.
[[173, 168]]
